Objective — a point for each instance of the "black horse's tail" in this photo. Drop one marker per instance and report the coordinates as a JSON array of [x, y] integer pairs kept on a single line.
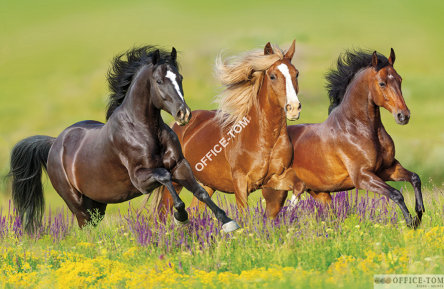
[[27, 159]]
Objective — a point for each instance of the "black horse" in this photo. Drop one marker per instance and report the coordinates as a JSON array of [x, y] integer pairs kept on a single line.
[[92, 164]]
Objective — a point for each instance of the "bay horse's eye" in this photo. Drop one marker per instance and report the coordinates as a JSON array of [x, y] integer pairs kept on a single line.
[[272, 77], [159, 81], [382, 84]]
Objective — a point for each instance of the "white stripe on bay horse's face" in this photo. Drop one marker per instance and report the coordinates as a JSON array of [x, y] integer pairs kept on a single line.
[[172, 76], [292, 106]]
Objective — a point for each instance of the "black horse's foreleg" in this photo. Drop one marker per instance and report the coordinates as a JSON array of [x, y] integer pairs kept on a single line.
[[151, 178], [398, 173], [371, 182], [183, 175]]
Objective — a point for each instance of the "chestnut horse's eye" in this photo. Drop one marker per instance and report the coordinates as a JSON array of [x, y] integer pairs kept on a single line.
[[297, 75], [382, 84], [272, 77]]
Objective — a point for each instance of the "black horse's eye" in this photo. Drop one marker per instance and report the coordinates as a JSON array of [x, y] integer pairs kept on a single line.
[[382, 84], [272, 77], [159, 82]]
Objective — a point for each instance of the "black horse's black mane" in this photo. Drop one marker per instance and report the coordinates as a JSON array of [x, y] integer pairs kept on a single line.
[[348, 64], [124, 66]]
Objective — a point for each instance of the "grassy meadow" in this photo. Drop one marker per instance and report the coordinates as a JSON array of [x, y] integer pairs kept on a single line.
[[53, 60]]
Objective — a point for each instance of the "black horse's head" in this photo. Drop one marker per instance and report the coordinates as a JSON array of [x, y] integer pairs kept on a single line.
[[166, 88]]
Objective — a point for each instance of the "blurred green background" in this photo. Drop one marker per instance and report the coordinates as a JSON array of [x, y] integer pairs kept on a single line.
[[54, 56]]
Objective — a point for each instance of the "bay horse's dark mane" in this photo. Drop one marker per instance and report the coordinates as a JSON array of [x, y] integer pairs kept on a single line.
[[348, 64], [125, 66]]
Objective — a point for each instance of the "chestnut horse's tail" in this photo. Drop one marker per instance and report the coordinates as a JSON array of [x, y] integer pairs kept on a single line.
[[28, 157], [157, 195]]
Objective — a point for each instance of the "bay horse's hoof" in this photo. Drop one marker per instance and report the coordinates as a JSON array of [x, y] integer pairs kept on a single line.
[[230, 227], [180, 223]]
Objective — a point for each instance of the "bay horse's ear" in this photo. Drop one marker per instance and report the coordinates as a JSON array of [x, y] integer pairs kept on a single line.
[[156, 57], [268, 49], [392, 57], [174, 54], [290, 52], [374, 59]]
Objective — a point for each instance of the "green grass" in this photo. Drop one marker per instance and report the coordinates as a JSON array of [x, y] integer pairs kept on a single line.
[[54, 56]]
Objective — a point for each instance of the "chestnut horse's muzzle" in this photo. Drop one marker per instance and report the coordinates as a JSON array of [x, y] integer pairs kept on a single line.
[[402, 117], [293, 110], [183, 115]]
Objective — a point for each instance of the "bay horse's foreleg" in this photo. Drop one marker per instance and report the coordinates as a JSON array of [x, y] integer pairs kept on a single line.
[[183, 175], [398, 173], [147, 178], [367, 180], [196, 204], [274, 201]]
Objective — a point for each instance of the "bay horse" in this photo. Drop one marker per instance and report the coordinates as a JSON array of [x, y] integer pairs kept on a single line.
[[352, 149], [244, 145], [91, 164]]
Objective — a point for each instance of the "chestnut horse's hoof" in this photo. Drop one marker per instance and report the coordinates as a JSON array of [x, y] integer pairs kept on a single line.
[[230, 227]]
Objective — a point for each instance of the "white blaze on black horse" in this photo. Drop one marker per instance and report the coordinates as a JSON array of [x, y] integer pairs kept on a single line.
[[92, 164]]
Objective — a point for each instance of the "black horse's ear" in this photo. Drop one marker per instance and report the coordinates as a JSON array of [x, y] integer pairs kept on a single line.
[[174, 54], [268, 49], [374, 59], [156, 57], [392, 57]]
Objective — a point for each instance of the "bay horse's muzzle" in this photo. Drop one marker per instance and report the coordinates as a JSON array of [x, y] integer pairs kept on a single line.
[[293, 110], [183, 115]]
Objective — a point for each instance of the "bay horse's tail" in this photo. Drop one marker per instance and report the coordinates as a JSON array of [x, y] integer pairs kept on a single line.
[[28, 157], [155, 203]]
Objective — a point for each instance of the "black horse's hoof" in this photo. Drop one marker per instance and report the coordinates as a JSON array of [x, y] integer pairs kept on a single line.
[[231, 226], [180, 218]]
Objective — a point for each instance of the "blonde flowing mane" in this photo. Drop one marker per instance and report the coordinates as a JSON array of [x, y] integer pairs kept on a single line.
[[241, 76]]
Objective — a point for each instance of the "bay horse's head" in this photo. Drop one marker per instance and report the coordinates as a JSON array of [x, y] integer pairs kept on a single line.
[[283, 79], [385, 89], [166, 88]]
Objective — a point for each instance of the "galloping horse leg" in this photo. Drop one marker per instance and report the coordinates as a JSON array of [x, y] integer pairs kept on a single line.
[[398, 173], [196, 204], [167, 200], [367, 180], [73, 198], [183, 175], [274, 201], [92, 205], [148, 177]]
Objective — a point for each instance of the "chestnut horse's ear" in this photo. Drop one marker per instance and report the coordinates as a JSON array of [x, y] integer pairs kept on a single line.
[[156, 57], [392, 57], [174, 54], [268, 49], [374, 59], [290, 52]]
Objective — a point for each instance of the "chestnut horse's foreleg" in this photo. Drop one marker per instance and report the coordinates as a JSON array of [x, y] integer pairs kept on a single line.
[[323, 197], [147, 178], [195, 204], [398, 173], [183, 175], [274, 201], [367, 180]]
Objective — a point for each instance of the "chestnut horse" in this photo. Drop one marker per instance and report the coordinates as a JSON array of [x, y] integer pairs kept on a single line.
[[352, 148], [244, 145], [92, 164]]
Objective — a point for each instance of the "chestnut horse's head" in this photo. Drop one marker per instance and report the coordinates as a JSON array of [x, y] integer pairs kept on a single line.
[[385, 89], [283, 80], [166, 88]]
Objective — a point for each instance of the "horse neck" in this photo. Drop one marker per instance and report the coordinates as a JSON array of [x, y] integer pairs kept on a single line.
[[267, 117], [138, 105], [357, 105]]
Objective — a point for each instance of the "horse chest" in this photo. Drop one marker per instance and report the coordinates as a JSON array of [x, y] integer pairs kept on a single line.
[[386, 151]]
